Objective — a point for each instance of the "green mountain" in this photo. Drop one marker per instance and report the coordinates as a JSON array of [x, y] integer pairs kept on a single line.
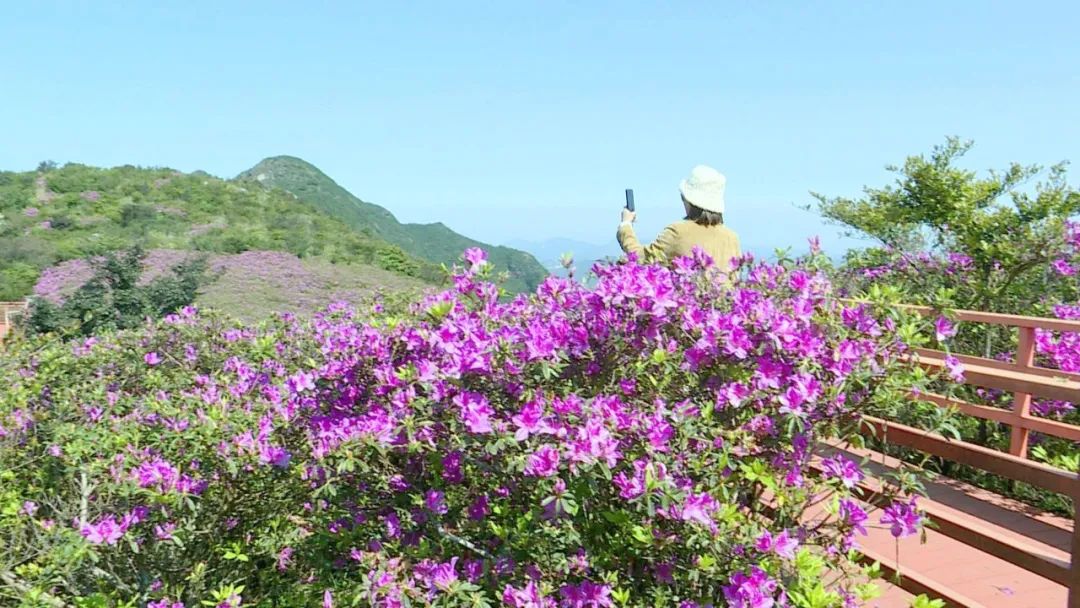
[[57, 214], [433, 242]]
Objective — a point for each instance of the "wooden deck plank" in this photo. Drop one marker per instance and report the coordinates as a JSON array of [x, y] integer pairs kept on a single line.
[[965, 570]]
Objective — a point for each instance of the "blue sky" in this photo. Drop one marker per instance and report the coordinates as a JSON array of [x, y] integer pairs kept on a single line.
[[511, 120]]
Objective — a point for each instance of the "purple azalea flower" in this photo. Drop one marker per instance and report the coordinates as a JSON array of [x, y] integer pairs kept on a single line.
[[544, 462], [284, 558], [586, 595], [164, 531], [954, 368], [943, 329], [902, 518], [526, 597], [452, 467], [699, 508], [475, 412], [853, 515], [781, 544], [757, 590], [839, 467], [476, 257], [474, 570], [445, 574], [106, 532], [479, 509], [1063, 267], [435, 501], [529, 421]]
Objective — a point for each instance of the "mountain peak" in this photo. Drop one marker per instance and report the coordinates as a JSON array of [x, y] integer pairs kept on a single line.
[[434, 242], [278, 167]]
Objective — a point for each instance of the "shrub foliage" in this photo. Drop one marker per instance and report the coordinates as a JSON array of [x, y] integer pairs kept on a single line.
[[647, 441]]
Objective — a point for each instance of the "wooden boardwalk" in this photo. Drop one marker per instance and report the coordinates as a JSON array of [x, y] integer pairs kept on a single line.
[[973, 577], [983, 550]]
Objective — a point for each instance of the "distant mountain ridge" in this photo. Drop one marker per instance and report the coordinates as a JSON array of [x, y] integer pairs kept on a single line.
[[550, 251], [432, 242]]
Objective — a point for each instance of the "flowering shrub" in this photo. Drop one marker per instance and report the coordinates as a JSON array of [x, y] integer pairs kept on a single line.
[[1061, 350], [643, 442]]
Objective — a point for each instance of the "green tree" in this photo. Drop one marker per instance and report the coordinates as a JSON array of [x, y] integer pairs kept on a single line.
[[1006, 234]]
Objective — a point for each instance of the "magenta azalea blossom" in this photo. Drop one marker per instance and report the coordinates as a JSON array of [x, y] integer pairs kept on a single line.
[[435, 501], [479, 509], [756, 590], [476, 257], [699, 508], [852, 514], [844, 469], [782, 544], [106, 532], [444, 575], [530, 421], [943, 329], [452, 467], [526, 597], [544, 462], [586, 595], [1063, 267], [902, 518], [954, 368], [475, 412]]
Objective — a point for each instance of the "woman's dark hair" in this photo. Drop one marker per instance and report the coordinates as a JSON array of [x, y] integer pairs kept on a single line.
[[702, 217]]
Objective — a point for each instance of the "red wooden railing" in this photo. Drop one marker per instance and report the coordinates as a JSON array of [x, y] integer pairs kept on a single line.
[[8, 311], [1025, 380]]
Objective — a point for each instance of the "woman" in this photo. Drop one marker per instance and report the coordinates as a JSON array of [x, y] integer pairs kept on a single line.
[[703, 200]]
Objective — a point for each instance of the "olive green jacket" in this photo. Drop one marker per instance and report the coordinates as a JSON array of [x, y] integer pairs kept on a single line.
[[679, 239]]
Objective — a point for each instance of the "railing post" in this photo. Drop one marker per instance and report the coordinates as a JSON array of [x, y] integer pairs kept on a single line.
[[1074, 566], [1025, 357]]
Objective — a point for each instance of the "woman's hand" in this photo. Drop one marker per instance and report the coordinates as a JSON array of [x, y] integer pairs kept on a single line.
[[628, 217]]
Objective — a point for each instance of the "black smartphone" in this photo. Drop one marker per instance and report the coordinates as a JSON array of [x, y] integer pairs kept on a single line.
[[629, 199]]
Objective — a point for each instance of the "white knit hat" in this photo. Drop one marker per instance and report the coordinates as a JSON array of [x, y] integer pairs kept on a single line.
[[705, 189]]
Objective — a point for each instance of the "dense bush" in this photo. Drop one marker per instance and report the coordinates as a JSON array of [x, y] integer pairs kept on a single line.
[[643, 442]]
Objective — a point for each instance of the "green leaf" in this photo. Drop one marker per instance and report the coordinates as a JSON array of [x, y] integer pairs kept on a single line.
[[642, 535], [923, 601]]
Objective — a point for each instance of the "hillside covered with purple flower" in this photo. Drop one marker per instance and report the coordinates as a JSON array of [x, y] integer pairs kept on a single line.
[[252, 285]]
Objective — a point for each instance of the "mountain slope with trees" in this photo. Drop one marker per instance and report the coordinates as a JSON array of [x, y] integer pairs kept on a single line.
[[56, 214], [435, 243]]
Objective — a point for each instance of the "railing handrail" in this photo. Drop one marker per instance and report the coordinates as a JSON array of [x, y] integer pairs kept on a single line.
[[990, 318], [1024, 379]]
